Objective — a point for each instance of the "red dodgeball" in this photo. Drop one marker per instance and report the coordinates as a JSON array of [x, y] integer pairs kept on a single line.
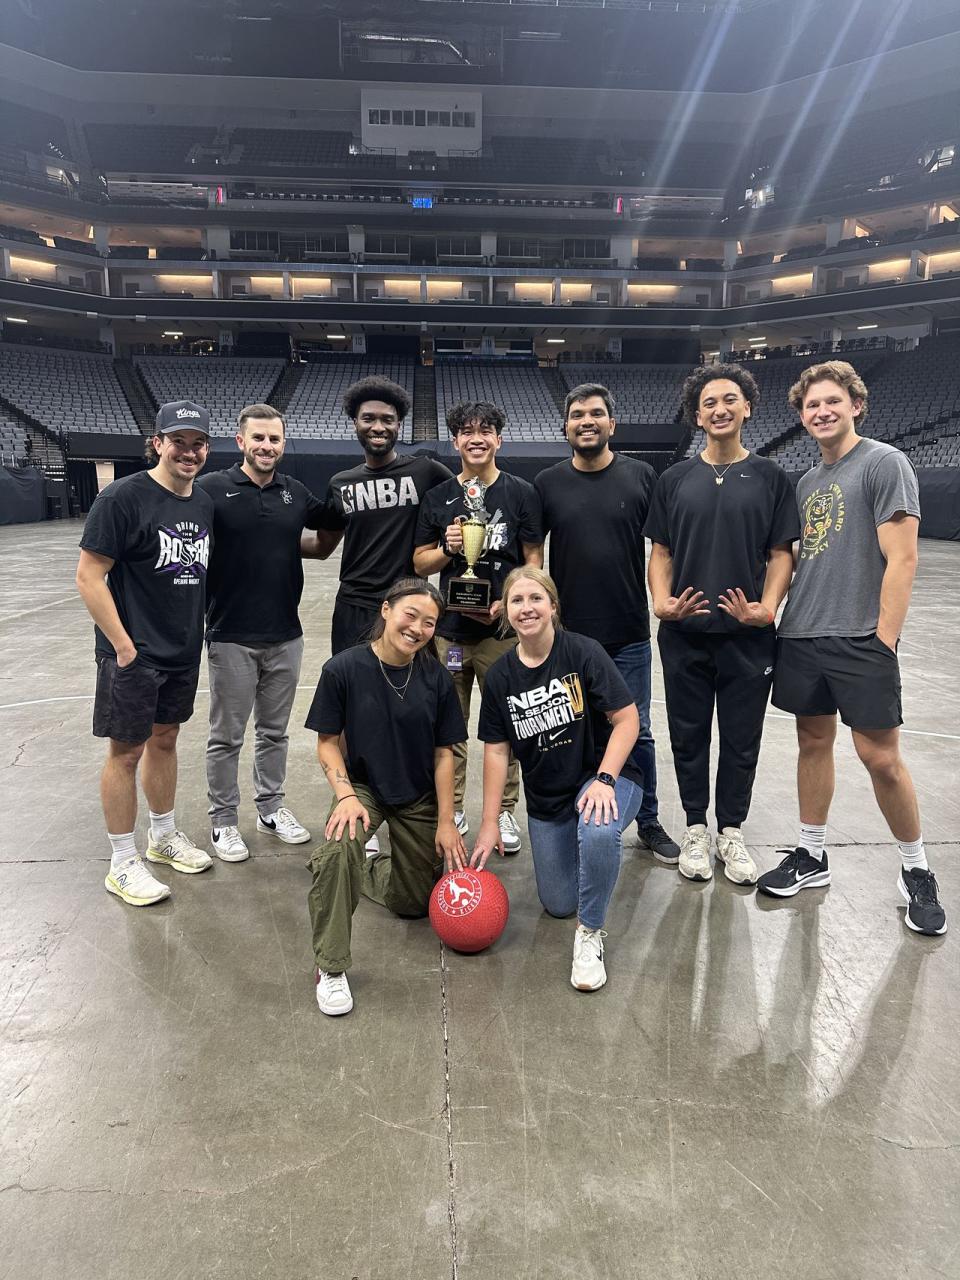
[[469, 909]]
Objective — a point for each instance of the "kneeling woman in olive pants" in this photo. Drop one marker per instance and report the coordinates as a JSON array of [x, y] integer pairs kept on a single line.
[[399, 715]]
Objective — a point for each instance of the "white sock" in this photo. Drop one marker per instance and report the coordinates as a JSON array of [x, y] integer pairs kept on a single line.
[[813, 838], [912, 855], [124, 850], [161, 824]]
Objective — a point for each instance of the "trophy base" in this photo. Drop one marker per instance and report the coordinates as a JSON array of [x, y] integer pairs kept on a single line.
[[470, 594]]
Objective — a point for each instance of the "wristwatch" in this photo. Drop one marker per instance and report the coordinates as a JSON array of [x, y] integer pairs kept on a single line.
[[607, 779]]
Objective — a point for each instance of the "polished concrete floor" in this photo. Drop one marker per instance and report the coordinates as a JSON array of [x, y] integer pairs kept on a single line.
[[761, 1089]]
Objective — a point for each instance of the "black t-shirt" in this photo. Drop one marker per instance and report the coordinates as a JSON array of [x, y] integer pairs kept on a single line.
[[554, 718], [256, 574], [719, 535], [515, 505], [377, 509], [597, 553], [160, 544], [390, 741]]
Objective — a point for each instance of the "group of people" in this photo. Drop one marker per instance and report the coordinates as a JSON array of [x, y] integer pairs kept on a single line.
[[562, 661]]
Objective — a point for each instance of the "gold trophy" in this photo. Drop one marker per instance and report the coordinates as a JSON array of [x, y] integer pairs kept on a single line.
[[468, 592]]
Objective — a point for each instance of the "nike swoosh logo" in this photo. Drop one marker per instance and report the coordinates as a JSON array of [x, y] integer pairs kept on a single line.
[[234, 495], [450, 501], [556, 733], [767, 670], [744, 476]]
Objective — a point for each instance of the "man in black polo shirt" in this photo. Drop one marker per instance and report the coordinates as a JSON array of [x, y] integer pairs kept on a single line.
[[142, 576], [470, 643], [254, 637], [374, 508], [594, 507], [722, 524]]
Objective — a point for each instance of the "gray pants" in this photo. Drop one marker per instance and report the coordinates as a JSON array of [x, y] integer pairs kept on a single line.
[[242, 679]]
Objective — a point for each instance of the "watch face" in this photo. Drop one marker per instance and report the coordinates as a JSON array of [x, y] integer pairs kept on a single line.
[[607, 779]]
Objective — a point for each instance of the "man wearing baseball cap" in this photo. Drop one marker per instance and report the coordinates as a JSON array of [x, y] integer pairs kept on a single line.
[[142, 576]]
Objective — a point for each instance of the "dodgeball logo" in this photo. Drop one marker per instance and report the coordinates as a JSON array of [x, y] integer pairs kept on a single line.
[[459, 894], [184, 552], [548, 706]]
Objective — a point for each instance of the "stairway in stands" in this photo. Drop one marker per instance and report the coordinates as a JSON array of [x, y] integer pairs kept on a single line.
[[285, 386], [555, 385], [425, 425], [46, 451], [137, 394]]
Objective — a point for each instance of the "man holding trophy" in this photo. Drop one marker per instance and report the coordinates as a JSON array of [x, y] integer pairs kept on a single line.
[[473, 530]]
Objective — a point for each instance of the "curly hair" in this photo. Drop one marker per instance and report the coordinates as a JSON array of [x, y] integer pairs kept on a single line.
[[375, 389], [693, 387], [482, 411], [838, 371]]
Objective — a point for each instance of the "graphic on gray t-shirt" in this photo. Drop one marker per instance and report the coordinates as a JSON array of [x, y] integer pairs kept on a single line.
[[836, 588]]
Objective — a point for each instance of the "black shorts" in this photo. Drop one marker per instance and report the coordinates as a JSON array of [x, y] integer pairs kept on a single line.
[[855, 675], [351, 623], [131, 700]]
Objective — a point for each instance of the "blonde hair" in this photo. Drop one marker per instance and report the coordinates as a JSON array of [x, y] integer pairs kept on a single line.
[[838, 371], [541, 579]]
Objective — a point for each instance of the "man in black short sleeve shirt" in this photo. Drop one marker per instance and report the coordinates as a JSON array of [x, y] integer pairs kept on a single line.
[[254, 637], [469, 643], [722, 525], [594, 508], [144, 555], [374, 508]]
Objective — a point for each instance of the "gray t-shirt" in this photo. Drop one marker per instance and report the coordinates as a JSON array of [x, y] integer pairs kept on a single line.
[[836, 588]]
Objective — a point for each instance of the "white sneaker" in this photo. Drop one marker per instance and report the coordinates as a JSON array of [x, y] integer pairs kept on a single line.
[[460, 822], [695, 854], [509, 832], [333, 994], [372, 847], [284, 826], [228, 844], [588, 972], [178, 851], [738, 866], [134, 884]]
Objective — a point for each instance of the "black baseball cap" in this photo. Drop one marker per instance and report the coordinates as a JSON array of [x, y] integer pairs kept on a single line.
[[180, 414]]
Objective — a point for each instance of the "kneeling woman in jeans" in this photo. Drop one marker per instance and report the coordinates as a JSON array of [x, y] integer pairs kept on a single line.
[[399, 715], [559, 703]]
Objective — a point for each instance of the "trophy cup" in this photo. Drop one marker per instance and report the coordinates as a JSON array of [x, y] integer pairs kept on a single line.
[[468, 592]]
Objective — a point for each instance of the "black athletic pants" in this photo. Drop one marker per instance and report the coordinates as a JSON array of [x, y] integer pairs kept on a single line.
[[732, 672]]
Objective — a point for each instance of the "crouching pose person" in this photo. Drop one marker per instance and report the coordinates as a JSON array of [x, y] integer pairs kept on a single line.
[[559, 703], [400, 717]]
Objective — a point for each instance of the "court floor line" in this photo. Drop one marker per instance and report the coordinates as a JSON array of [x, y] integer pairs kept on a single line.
[[771, 715], [11, 617]]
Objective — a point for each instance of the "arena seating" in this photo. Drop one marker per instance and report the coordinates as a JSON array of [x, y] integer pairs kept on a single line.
[[643, 392], [65, 390], [519, 390], [315, 410], [223, 386], [13, 438], [142, 148], [297, 147]]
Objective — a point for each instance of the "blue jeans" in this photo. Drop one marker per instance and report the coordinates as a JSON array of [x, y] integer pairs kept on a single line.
[[577, 863], [633, 663]]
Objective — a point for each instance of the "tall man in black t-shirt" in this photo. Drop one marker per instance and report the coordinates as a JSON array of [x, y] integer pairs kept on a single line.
[[594, 507], [470, 643], [254, 637], [142, 575], [722, 524], [374, 508]]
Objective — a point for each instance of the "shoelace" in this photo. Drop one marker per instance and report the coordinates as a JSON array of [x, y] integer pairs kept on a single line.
[[792, 861], [924, 888], [335, 983], [736, 852], [284, 815], [593, 937]]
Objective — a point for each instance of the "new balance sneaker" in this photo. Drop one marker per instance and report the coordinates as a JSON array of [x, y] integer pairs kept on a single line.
[[738, 866], [694, 860], [178, 851], [333, 994], [228, 844], [284, 826], [924, 912], [663, 848], [509, 832], [798, 870], [460, 822], [588, 972], [134, 884]]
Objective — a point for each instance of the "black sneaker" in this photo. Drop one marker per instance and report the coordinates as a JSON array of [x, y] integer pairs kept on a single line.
[[659, 843], [798, 870], [924, 912]]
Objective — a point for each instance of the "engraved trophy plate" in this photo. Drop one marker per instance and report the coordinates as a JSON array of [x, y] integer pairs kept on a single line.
[[467, 591]]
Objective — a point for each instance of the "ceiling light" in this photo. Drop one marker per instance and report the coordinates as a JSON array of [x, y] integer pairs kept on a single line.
[[335, 336], [867, 326], [15, 320], [172, 333], [756, 341]]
